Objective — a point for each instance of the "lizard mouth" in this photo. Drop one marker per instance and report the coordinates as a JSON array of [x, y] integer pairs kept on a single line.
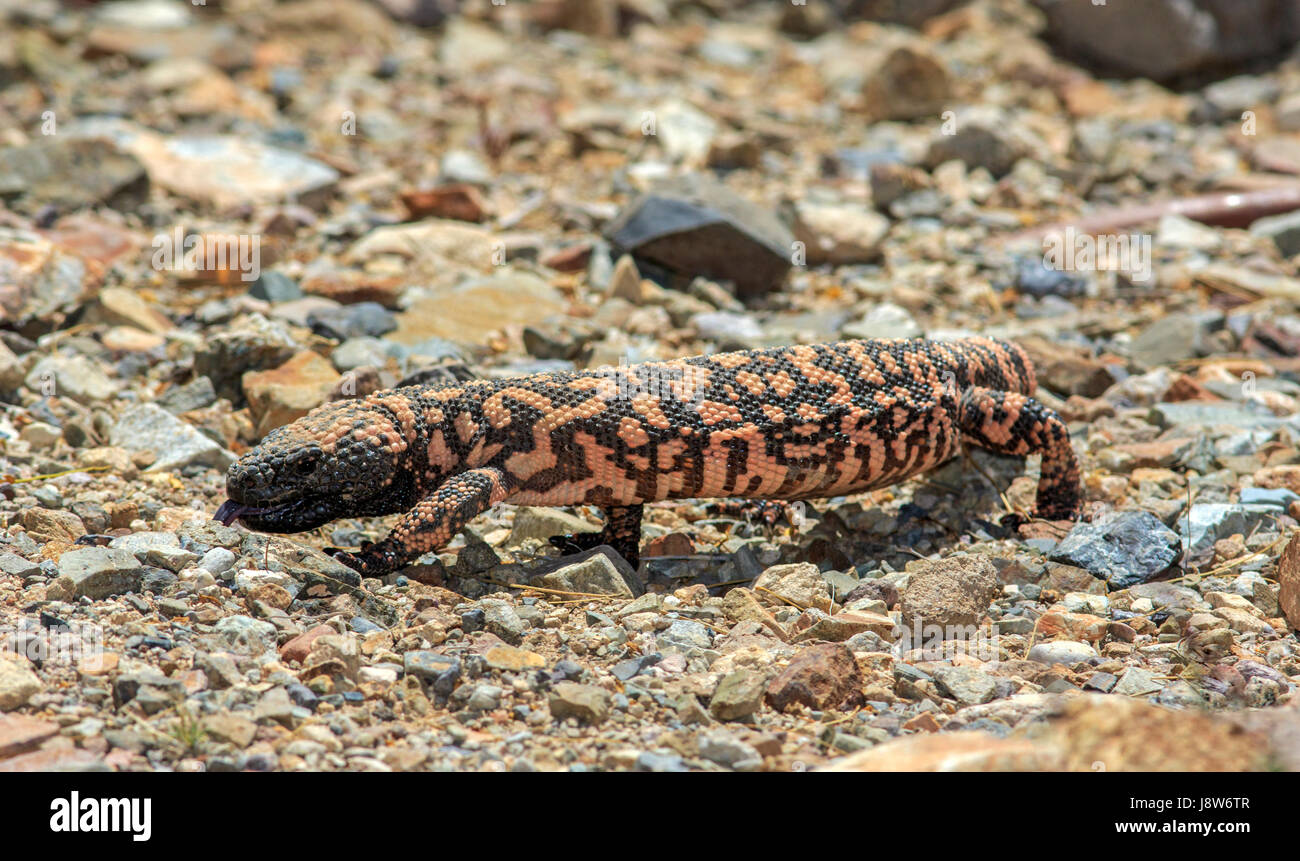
[[230, 511], [294, 516]]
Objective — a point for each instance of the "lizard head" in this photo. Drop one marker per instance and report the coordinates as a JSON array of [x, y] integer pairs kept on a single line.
[[341, 459]]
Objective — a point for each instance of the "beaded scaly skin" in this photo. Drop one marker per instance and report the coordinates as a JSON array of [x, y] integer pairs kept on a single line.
[[780, 424]]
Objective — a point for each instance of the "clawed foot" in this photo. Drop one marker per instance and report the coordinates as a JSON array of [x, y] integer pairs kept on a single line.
[[1059, 509], [577, 542], [1013, 521], [367, 562]]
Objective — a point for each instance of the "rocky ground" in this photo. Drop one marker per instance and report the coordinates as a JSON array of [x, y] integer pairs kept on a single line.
[[411, 190]]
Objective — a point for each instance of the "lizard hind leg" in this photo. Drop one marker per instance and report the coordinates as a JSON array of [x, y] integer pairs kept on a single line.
[[433, 522], [622, 532], [1012, 423]]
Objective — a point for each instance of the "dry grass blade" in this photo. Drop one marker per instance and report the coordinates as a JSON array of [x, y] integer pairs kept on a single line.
[[564, 592], [9, 479]]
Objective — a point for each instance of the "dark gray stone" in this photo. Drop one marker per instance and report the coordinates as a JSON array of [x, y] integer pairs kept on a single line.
[[695, 226], [70, 173], [1161, 39], [275, 287], [364, 319], [1284, 230], [1124, 548]]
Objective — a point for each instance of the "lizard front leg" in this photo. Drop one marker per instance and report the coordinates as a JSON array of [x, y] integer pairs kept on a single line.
[[1012, 423], [433, 522]]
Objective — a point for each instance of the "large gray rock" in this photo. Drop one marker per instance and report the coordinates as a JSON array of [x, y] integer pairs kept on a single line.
[[1124, 548], [71, 376], [95, 573], [1161, 39], [966, 685], [175, 443], [596, 572], [246, 635]]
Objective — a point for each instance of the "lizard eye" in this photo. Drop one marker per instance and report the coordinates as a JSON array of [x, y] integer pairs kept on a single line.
[[304, 465]]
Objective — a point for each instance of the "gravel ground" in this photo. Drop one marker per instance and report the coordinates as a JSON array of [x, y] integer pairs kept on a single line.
[[215, 217]]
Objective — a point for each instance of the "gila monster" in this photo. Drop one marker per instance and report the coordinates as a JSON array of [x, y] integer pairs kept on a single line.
[[786, 423]]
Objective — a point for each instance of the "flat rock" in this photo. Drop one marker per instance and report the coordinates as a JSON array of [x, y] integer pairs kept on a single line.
[[966, 685], [1065, 652], [73, 376], [226, 171], [20, 733], [963, 751], [96, 573], [512, 659], [471, 312], [588, 703], [433, 242], [231, 729], [16, 566], [543, 523], [281, 395], [246, 635], [120, 306]]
